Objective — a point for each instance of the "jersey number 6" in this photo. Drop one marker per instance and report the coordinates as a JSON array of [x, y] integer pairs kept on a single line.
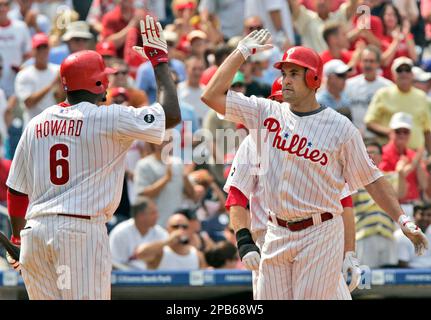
[[60, 162]]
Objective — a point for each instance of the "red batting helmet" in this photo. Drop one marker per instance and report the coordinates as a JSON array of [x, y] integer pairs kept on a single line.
[[85, 70], [276, 89], [307, 58]]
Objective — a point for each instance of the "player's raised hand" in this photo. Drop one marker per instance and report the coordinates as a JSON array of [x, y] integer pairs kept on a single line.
[[154, 46], [254, 42], [416, 236], [351, 264]]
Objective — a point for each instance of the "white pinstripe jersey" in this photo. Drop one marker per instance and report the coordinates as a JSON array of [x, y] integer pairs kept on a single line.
[[71, 159], [242, 177], [308, 158]]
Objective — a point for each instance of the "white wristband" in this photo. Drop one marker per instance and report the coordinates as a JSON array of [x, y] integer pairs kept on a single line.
[[403, 219], [244, 51]]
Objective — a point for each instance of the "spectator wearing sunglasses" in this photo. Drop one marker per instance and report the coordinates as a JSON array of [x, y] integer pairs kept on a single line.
[[261, 62], [401, 97], [252, 23], [197, 238], [333, 94], [401, 125], [276, 17], [120, 78], [174, 253]]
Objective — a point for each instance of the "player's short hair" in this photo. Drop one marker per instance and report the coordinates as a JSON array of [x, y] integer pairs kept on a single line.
[[374, 49], [373, 143], [139, 206], [190, 214], [330, 29]]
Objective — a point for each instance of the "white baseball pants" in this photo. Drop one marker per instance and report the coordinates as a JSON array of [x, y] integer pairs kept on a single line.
[[66, 258], [304, 264]]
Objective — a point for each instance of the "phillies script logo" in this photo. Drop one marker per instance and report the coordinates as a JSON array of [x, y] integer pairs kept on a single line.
[[297, 145]]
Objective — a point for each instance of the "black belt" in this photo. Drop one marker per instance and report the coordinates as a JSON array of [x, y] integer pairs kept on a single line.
[[74, 216]]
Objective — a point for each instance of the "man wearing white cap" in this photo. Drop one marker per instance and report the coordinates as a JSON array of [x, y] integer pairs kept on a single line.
[[333, 95], [76, 38], [422, 81], [401, 97], [401, 125]]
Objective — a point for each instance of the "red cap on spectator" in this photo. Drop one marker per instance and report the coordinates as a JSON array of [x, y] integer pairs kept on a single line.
[[106, 48], [115, 92], [187, 5], [39, 39]]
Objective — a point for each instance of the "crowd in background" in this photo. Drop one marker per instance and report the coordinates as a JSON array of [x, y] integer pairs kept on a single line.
[[377, 72]]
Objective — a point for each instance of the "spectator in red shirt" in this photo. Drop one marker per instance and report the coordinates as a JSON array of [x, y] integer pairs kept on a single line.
[[117, 23], [397, 40], [98, 9], [368, 28], [336, 38], [401, 124], [131, 57]]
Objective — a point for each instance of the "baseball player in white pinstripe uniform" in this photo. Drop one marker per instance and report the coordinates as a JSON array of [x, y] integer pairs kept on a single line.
[[70, 164], [243, 179], [312, 151]]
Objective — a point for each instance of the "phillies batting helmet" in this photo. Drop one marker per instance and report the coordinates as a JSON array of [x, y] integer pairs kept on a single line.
[[276, 89], [85, 70], [307, 58]]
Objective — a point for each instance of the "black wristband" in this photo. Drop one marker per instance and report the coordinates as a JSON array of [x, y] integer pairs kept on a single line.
[[243, 236], [245, 242]]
